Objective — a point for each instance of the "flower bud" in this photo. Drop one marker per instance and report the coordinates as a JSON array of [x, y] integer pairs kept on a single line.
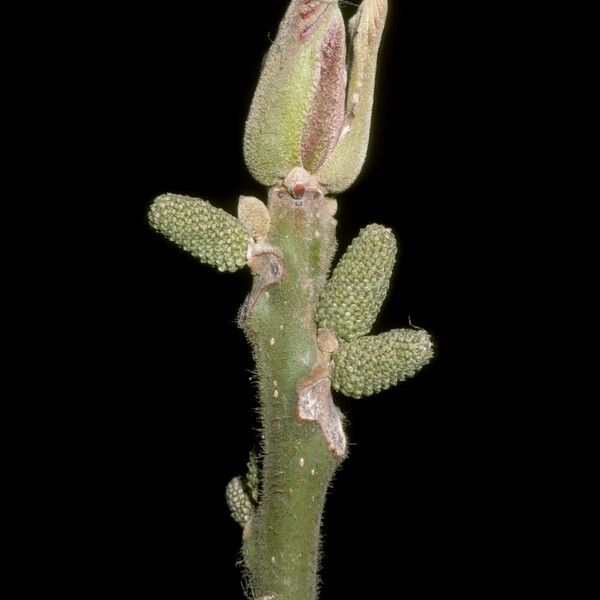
[[305, 112], [254, 216], [298, 107], [344, 163]]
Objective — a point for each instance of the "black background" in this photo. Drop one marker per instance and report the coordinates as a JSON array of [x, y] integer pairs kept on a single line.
[[169, 410]]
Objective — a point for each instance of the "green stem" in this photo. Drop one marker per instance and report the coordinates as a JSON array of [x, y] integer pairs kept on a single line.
[[281, 542]]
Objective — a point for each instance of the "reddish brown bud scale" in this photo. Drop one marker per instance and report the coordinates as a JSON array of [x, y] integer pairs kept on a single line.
[[343, 164], [325, 118], [308, 13]]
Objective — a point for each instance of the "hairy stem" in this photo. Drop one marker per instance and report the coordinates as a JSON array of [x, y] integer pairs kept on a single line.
[[281, 541]]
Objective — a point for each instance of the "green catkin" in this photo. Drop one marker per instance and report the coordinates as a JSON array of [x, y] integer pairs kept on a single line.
[[210, 234], [353, 296], [239, 502], [378, 362]]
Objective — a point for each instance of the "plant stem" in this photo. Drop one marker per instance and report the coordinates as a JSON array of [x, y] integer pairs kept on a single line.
[[281, 542]]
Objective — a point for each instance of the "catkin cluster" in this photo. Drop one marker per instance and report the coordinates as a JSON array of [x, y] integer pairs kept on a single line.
[[366, 364]]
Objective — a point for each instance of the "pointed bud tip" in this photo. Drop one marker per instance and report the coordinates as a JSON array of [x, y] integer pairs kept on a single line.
[[344, 163]]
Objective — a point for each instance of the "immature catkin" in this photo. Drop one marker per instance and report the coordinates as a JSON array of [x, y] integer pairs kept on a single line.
[[208, 233], [353, 296], [239, 502], [378, 362]]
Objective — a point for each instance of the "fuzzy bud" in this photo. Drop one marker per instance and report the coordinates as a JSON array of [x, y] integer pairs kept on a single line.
[[298, 107], [344, 163], [254, 216]]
